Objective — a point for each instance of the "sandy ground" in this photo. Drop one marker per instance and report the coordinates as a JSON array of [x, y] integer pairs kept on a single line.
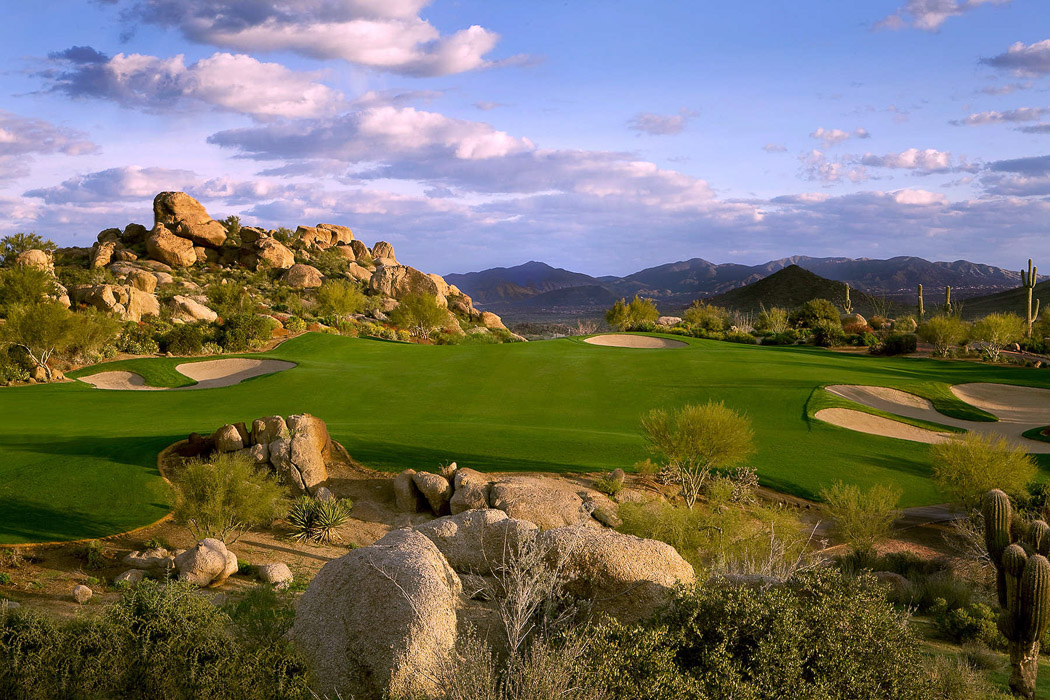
[[1018, 409], [615, 340], [877, 425], [208, 375]]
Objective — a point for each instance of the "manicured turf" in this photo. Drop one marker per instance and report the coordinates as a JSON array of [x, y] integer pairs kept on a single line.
[[79, 462]]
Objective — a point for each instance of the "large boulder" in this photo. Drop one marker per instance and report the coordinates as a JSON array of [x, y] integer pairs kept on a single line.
[[383, 251], [188, 219], [360, 249], [268, 252], [82, 594], [102, 253], [381, 620], [266, 430], [539, 501], [157, 560], [134, 234], [398, 281], [228, 439], [470, 491], [110, 298], [492, 321], [301, 276], [189, 310], [478, 541], [140, 304], [281, 458], [436, 489], [164, 246], [276, 574], [36, 258], [625, 576], [407, 495], [309, 448], [208, 563], [340, 235], [312, 237], [142, 280], [358, 272]]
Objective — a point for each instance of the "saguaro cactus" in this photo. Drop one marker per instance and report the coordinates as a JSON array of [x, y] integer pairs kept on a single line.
[[847, 305], [948, 301], [922, 309], [1028, 281], [1023, 585]]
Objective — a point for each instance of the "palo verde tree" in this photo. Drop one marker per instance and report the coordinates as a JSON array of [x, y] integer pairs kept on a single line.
[[638, 314], [1023, 586], [419, 313], [40, 330], [340, 298], [943, 332], [997, 331], [697, 439]]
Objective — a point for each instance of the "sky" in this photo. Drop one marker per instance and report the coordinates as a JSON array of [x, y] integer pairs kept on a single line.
[[604, 136]]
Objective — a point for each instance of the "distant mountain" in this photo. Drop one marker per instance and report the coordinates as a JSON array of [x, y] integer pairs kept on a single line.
[[1013, 300], [510, 283], [788, 287], [526, 288]]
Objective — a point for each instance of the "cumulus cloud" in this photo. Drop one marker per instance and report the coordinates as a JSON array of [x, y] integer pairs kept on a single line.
[[925, 161], [816, 166], [23, 137], [386, 35], [115, 184], [232, 82], [929, 15], [832, 137], [1023, 114], [661, 124], [1023, 59]]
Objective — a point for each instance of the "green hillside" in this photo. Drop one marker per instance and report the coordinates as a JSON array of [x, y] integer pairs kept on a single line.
[[1013, 300]]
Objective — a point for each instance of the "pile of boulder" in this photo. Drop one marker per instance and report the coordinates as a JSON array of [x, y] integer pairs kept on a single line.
[[207, 564], [547, 502], [297, 449], [384, 619], [184, 235]]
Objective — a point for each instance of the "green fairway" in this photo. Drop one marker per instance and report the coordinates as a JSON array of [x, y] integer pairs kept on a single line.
[[79, 462]]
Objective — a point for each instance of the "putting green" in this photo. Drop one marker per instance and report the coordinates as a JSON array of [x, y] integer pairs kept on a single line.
[[79, 462]]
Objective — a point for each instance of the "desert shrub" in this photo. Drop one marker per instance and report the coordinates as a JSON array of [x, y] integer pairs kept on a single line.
[[340, 298], [997, 331], [706, 317], [969, 465], [12, 245], [137, 339], [824, 635], [812, 312], [895, 344], [950, 678], [39, 330], [975, 622], [90, 333], [696, 439], [185, 339], [318, 521], [773, 320], [158, 641], [869, 339], [228, 299], [635, 661], [636, 315], [608, 486], [943, 332], [330, 263], [295, 325], [244, 331], [827, 334], [862, 518], [211, 348], [741, 337], [262, 616], [22, 286], [225, 496], [878, 322], [419, 313], [92, 554], [788, 337]]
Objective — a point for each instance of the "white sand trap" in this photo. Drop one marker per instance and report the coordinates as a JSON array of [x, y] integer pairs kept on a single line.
[[209, 374], [877, 425], [1018, 408], [619, 340]]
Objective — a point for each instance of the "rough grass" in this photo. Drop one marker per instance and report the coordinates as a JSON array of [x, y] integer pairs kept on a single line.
[[80, 463]]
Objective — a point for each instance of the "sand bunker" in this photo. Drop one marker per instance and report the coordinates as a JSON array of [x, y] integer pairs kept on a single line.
[[1018, 408], [877, 425], [616, 340], [209, 374]]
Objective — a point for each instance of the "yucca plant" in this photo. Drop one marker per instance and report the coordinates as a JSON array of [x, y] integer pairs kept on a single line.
[[318, 520], [300, 517]]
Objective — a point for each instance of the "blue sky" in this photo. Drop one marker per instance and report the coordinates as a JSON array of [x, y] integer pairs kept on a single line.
[[602, 136]]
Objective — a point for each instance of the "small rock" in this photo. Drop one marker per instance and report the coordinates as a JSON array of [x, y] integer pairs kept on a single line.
[[277, 575], [617, 476], [323, 494], [130, 577], [437, 490], [82, 594]]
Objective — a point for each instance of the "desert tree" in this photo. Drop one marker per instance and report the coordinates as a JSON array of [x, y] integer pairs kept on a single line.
[[11, 246], [697, 439], [997, 331], [968, 466], [40, 330], [943, 332], [23, 285], [862, 517], [706, 317], [419, 313], [340, 298]]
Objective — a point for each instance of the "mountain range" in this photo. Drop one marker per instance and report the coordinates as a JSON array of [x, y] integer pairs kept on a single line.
[[538, 288]]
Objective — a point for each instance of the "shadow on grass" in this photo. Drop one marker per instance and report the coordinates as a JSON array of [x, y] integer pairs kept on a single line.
[[28, 521]]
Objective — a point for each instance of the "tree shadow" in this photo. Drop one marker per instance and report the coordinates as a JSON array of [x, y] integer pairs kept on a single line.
[[30, 521]]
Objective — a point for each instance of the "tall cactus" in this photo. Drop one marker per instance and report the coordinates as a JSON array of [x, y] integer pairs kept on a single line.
[[847, 305], [922, 309], [1028, 282], [948, 301], [1023, 585]]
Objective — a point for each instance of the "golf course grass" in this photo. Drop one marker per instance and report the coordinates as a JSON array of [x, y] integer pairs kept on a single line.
[[78, 462]]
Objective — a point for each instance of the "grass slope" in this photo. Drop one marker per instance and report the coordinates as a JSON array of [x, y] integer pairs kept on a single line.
[[80, 462], [1012, 300]]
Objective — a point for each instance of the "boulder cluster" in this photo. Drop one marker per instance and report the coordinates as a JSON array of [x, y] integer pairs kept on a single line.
[[548, 503], [184, 235], [297, 449], [384, 619], [206, 564]]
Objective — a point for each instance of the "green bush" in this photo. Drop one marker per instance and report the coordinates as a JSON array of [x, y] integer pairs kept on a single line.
[[295, 325], [636, 315], [419, 313], [22, 285], [608, 486], [706, 317], [741, 337], [229, 299], [895, 344], [971, 623], [969, 465], [943, 332], [137, 339], [862, 518], [809, 314], [158, 641], [244, 331], [11, 246], [185, 339], [788, 337], [828, 334]]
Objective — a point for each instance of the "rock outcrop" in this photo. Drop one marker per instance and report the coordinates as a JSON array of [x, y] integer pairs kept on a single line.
[[164, 246], [380, 620], [207, 564], [399, 281], [300, 276], [478, 541], [187, 218]]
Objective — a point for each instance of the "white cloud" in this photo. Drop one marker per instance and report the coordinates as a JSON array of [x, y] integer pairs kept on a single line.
[[233, 82], [388, 35], [21, 138], [832, 137], [926, 161], [1023, 59], [661, 124], [1023, 114], [929, 15], [816, 166]]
